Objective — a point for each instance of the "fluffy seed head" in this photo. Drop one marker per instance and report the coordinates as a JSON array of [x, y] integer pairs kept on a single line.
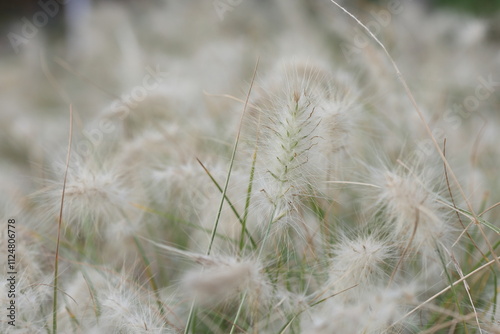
[[412, 208], [302, 122], [361, 262], [94, 196], [110, 303], [225, 279]]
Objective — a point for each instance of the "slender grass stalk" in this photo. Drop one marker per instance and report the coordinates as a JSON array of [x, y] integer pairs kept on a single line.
[[247, 204], [233, 155], [191, 316], [239, 311], [59, 226], [244, 230], [250, 186], [190, 319]]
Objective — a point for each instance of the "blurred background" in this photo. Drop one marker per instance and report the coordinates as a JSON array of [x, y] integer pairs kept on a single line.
[[62, 19], [91, 53], [12, 11]]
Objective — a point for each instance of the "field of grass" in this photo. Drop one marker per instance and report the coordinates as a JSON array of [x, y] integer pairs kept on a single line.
[[244, 166]]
